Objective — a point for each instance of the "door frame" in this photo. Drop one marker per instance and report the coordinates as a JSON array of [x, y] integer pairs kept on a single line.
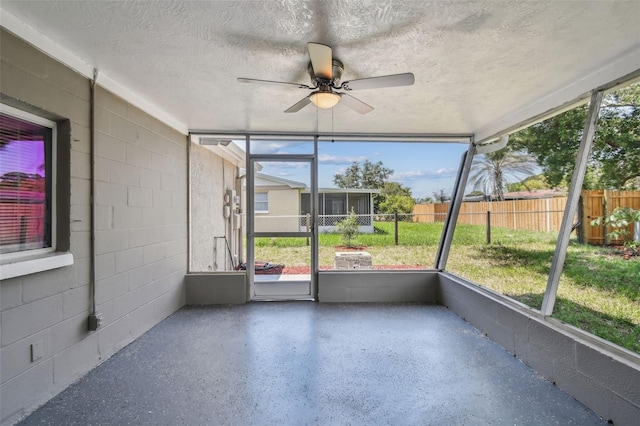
[[312, 234]]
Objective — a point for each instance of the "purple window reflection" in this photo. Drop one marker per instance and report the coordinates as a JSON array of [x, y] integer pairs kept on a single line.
[[24, 190]]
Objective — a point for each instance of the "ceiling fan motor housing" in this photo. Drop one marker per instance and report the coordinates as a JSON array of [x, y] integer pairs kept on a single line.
[[337, 69]]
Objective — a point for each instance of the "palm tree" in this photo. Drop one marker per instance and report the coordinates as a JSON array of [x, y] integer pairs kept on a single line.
[[488, 172]]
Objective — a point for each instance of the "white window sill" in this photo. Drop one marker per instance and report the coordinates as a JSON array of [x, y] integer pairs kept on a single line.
[[31, 265]]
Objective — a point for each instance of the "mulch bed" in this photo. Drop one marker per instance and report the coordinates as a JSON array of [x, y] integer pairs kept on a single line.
[[624, 252]]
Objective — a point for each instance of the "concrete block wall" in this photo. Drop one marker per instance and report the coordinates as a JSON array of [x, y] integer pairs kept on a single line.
[[604, 379], [141, 239]]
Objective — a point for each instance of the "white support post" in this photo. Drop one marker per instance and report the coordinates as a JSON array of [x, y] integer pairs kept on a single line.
[[454, 208], [572, 204]]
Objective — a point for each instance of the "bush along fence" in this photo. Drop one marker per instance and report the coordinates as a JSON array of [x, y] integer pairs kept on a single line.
[[544, 214]]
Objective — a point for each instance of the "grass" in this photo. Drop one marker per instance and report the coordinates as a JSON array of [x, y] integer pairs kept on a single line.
[[599, 292]]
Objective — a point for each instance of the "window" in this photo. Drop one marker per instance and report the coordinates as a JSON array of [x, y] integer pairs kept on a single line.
[[27, 149], [261, 202]]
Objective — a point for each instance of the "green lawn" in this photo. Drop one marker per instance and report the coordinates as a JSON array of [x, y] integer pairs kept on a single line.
[[599, 292]]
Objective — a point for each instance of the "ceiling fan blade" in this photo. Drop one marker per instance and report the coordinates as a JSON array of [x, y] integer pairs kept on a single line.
[[355, 104], [300, 104], [321, 59], [406, 79], [278, 83]]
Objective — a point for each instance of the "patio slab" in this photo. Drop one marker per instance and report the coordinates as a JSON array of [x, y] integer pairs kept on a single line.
[[307, 363]]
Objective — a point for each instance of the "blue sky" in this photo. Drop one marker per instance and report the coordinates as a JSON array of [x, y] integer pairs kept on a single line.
[[423, 167]]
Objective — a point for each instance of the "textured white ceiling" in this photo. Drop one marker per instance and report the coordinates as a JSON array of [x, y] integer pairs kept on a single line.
[[474, 61]]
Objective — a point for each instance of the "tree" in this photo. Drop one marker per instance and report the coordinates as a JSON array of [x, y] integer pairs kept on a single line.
[[349, 228], [529, 184], [615, 156], [397, 204], [365, 175], [489, 171]]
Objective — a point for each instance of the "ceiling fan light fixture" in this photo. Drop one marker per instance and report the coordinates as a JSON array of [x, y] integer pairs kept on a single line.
[[325, 100]]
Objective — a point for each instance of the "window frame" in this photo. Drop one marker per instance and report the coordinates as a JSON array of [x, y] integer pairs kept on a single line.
[[256, 202], [52, 183]]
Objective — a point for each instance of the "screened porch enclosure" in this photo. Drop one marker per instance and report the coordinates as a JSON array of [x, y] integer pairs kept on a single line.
[[335, 205]]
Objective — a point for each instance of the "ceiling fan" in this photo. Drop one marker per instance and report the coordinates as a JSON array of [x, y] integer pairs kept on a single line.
[[325, 72]]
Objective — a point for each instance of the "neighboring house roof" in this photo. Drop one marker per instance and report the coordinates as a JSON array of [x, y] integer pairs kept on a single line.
[[262, 179]]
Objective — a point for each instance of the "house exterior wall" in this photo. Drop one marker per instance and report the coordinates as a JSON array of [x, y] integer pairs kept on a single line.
[[210, 177], [141, 238], [282, 202]]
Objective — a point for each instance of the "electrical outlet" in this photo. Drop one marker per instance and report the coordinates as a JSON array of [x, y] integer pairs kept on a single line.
[[95, 321], [36, 351]]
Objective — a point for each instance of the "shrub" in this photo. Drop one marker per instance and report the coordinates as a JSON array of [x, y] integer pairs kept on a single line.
[[348, 228]]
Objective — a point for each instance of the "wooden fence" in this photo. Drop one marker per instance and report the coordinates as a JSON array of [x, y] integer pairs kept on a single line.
[[600, 203], [543, 214]]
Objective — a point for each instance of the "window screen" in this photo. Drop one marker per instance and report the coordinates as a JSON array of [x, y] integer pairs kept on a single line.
[[261, 202]]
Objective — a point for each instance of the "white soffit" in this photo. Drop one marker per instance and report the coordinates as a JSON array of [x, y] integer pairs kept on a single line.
[[481, 66]]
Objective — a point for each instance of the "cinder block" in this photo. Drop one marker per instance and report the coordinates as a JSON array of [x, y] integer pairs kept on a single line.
[[105, 265], [106, 310], [44, 284], [16, 52], [140, 236], [80, 244], [80, 217], [148, 140], [124, 129], [129, 259], [20, 322], [127, 217], [80, 165], [139, 157], [161, 199], [16, 357], [83, 271], [150, 217], [179, 200], [103, 120], [170, 183], [111, 194], [68, 332], [557, 345], [80, 190], [140, 117], [110, 148], [162, 268], [139, 197], [80, 138], [623, 412], [102, 169], [68, 105], [76, 360], [11, 293], [150, 179], [23, 393], [175, 247], [615, 375], [76, 301], [104, 217], [67, 79], [167, 132], [111, 240], [114, 337], [112, 287], [141, 276], [142, 319], [168, 303], [153, 253], [19, 84], [125, 174], [111, 102], [583, 388], [160, 162]]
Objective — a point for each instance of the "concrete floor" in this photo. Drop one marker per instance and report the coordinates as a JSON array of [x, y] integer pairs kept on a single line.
[[298, 363]]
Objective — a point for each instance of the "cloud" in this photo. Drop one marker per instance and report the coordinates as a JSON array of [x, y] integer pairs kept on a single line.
[[339, 160], [415, 175]]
